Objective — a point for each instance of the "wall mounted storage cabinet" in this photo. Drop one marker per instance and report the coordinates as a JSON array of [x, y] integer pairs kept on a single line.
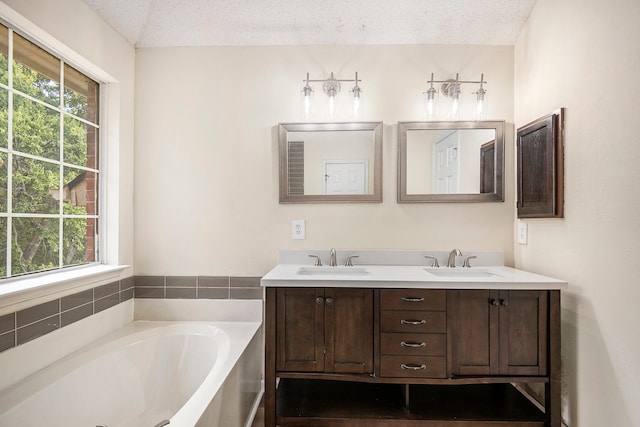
[[540, 159]]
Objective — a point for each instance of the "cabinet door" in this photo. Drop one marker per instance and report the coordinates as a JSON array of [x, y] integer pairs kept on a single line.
[[523, 332], [473, 329], [498, 332], [348, 331], [300, 329]]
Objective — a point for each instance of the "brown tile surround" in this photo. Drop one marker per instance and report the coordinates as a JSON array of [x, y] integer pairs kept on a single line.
[[33, 322]]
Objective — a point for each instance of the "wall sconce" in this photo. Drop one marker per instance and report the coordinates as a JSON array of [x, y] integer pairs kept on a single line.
[[451, 89], [331, 87]]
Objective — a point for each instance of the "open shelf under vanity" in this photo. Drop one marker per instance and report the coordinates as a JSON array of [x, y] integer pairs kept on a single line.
[[318, 403]]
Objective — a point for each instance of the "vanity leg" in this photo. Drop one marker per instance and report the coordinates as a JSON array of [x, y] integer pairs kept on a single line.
[[406, 402], [553, 389], [270, 359]]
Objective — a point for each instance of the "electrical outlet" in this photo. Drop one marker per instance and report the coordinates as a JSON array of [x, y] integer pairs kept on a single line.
[[297, 229], [523, 233]]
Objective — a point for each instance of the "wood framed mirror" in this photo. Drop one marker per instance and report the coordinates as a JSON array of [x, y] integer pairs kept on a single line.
[[450, 161], [330, 162]]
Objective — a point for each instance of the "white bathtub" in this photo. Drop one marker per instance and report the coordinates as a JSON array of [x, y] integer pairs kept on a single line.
[[189, 373]]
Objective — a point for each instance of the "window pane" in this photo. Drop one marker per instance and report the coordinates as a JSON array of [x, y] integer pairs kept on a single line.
[[80, 95], [3, 247], [36, 129], [34, 244], [4, 56], [35, 186], [4, 118], [3, 183], [80, 192], [35, 72], [80, 143], [79, 241]]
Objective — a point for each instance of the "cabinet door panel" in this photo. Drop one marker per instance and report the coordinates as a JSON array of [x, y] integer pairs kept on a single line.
[[349, 330], [474, 331], [300, 328], [523, 332]]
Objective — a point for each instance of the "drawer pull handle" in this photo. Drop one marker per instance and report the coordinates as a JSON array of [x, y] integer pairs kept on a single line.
[[413, 344], [413, 367], [411, 299], [413, 322]]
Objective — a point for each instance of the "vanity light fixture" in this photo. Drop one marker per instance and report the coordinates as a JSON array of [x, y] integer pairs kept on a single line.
[[452, 89], [331, 87]]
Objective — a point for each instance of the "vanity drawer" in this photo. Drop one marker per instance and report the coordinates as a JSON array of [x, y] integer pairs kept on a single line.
[[413, 366], [413, 321], [413, 299], [413, 344]]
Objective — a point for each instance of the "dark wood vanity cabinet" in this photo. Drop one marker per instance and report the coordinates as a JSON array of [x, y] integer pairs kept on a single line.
[[325, 330], [498, 332], [408, 357]]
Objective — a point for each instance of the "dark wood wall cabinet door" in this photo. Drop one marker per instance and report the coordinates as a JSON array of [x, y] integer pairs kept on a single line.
[[498, 332], [540, 163]]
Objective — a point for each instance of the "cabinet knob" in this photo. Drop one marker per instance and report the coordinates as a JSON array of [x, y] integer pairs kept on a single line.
[[329, 301], [494, 301], [319, 300], [504, 302]]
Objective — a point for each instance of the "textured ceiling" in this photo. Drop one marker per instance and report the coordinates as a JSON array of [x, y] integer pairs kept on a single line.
[[156, 23]]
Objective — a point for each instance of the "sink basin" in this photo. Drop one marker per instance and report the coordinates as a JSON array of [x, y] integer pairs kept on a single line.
[[460, 272], [332, 271]]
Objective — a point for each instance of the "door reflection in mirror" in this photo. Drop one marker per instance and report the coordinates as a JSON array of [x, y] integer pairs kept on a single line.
[[453, 161], [446, 161]]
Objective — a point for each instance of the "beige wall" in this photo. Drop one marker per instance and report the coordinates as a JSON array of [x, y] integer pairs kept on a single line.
[[585, 55], [206, 154], [79, 29]]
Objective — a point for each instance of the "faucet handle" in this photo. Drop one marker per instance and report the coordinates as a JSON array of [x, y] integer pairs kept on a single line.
[[466, 262], [318, 263], [434, 259], [348, 263]]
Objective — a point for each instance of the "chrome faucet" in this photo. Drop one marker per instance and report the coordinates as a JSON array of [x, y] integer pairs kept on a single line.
[[332, 258], [452, 257]]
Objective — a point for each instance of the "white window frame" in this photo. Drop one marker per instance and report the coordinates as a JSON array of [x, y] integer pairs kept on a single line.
[[23, 291]]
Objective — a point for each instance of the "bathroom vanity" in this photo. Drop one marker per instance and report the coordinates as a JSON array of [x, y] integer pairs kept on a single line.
[[409, 345]]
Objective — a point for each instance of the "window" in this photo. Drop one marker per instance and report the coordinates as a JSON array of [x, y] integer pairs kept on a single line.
[[49, 166]]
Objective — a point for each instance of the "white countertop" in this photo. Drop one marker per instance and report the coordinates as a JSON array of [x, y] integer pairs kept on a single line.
[[408, 276]]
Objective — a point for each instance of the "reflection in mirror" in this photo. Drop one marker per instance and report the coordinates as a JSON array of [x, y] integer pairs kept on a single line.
[[330, 162], [450, 161]]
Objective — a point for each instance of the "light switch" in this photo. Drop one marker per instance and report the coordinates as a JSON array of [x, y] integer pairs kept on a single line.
[[297, 229], [523, 232]]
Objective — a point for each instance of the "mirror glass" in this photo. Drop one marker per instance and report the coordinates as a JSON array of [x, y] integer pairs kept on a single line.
[[330, 162], [450, 161]]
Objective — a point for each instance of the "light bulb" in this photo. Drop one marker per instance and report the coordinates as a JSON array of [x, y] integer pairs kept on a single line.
[[307, 105], [431, 93], [332, 105], [480, 103], [356, 99]]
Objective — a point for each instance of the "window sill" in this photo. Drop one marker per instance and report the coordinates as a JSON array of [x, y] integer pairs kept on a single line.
[[19, 293]]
